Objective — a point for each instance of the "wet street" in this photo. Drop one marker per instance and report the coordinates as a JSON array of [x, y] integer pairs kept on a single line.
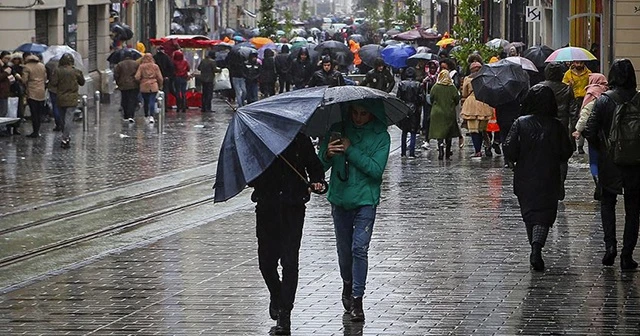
[[119, 236]]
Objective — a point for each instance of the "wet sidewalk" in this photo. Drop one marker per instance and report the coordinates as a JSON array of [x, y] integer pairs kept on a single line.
[[448, 255]]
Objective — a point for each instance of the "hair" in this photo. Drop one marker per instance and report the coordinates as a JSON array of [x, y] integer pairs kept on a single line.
[[622, 75], [378, 62]]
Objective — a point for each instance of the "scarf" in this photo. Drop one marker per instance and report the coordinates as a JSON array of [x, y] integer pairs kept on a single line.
[[444, 79], [597, 85]]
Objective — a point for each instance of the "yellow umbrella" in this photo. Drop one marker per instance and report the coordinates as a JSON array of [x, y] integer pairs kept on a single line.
[[259, 42], [445, 41]]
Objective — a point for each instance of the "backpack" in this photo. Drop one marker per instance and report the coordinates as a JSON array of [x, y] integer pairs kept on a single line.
[[623, 143]]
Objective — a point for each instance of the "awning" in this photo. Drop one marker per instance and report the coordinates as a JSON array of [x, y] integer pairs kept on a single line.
[[246, 12]]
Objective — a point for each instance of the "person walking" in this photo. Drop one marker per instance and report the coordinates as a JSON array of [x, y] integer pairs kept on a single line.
[[577, 77], [150, 78], [301, 69], [181, 79], [268, 74], [125, 75], [283, 68], [5, 90], [252, 76], [411, 93], [34, 77], [280, 196], [476, 113], [327, 75], [208, 70], [51, 67], [66, 80], [444, 124], [614, 178], [597, 86], [538, 144], [431, 77], [379, 77], [167, 69], [357, 158]]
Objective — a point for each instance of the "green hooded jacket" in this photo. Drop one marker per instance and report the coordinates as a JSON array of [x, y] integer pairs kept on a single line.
[[367, 156], [65, 81]]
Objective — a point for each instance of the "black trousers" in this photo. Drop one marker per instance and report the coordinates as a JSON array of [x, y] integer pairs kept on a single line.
[[37, 110], [285, 83], [608, 202], [279, 231], [207, 95], [129, 101]]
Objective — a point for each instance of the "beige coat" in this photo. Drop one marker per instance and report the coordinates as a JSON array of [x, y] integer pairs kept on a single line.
[[34, 76], [473, 109], [149, 75]]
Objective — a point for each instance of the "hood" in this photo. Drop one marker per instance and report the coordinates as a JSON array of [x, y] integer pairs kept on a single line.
[[32, 58], [304, 51], [285, 49], [540, 101], [147, 58], [211, 54], [375, 107], [268, 53], [554, 72], [622, 75], [66, 59], [597, 79], [178, 55]]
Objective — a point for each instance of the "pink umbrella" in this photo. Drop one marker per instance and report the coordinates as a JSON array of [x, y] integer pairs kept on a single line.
[[569, 54]]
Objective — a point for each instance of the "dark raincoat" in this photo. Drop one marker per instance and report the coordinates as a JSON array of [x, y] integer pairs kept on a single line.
[[538, 144], [564, 93], [411, 93], [301, 71]]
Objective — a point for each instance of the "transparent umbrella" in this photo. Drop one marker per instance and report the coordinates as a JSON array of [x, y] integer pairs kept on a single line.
[[54, 53]]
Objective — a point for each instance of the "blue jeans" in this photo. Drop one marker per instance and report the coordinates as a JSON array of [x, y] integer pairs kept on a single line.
[[240, 87], [53, 98], [252, 92], [353, 230], [593, 160], [181, 92], [149, 103], [412, 144]]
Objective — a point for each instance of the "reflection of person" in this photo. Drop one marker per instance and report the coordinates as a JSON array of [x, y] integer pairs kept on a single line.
[[614, 178], [538, 144], [66, 81], [357, 161], [444, 125], [280, 196]]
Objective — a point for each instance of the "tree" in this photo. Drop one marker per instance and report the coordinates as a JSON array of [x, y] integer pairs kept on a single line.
[[387, 13], [412, 9], [468, 32], [304, 11], [267, 24], [288, 22], [370, 8]]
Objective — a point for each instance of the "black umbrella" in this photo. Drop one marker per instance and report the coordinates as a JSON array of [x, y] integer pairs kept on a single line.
[[369, 53], [357, 38], [343, 58], [499, 83], [413, 60], [120, 54], [313, 55], [260, 131], [538, 55], [240, 52], [122, 32], [333, 46]]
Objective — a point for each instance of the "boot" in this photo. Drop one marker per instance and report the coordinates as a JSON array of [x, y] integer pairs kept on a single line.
[[536, 257], [449, 152], [347, 300], [440, 151], [487, 152], [357, 314], [496, 147], [283, 326], [610, 256], [627, 263], [274, 308], [598, 192]]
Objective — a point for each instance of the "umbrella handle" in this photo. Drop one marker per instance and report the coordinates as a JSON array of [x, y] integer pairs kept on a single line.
[[325, 188]]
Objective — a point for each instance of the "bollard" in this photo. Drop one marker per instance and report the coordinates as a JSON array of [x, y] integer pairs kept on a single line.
[[96, 97], [161, 104], [85, 120]]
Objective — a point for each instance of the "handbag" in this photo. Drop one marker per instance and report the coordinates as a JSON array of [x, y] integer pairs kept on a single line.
[[13, 107], [222, 81]]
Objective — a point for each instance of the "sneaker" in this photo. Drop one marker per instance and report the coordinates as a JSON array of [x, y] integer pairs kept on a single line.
[[125, 119], [151, 120], [65, 143], [131, 120], [496, 148], [425, 145]]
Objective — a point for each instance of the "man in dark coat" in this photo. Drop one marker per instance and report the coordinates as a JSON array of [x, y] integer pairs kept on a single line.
[[208, 70], [280, 195], [251, 76], [614, 178], [283, 68], [379, 77], [268, 74], [327, 75], [564, 99], [411, 93], [165, 64], [538, 144], [301, 69]]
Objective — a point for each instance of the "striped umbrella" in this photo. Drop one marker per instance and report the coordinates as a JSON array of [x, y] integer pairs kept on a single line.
[[569, 54]]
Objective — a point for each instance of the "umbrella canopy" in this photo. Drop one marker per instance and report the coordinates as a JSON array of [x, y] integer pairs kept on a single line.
[[569, 54], [121, 54], [357, 38], [280, 33], [390, 42], [413, 60], [515, 45], [33, 48], [229, 31], [397, 55], [423, 49], [260, 131], [298, 39], [239, 38], [343, 58], [222, 46], [54, 52], [392, 32], [445, 42], [523, 62], [415, 34], [314, 30], [259, 42], [240, 52], [497, 43], [333, 46], [499, 83], [538, 55], [369, 53]]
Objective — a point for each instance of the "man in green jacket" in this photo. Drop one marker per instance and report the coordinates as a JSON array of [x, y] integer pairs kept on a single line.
[[66, 81], [357, 158]]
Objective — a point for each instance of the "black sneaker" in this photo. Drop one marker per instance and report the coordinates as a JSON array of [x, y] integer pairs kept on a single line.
[[496, 147], [283, 326], [357, 314]]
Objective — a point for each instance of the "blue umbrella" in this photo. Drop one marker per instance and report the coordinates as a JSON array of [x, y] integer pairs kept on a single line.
[[33, 48], [260, 131], [397, 55]]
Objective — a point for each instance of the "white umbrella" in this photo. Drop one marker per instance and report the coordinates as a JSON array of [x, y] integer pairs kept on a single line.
[[54, 52], [525, 63], [497, 43]]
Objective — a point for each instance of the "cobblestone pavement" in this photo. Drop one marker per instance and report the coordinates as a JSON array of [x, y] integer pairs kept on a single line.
[[448, 256]]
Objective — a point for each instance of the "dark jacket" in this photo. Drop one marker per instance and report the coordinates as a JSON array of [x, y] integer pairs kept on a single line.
[[411, 93], [268, 73], [283, 65], [301, 72], [331, 78], [208, 70], [252, 70], [5, 85], [66, 81], [280, 184], [538, 144], [124, 73], [165, 64], [381, 80], [564, 94]]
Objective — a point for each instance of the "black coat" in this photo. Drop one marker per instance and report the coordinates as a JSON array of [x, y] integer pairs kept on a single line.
[[381, 80], [612, 177], [301, 72], [331, 78], [280, 184], [411, 93], [538, 144], [283, 65], [268, 71], [252, 71], [165, 64], [564, 99]]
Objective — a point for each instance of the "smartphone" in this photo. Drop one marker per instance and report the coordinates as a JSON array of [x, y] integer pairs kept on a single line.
[[335, 136]]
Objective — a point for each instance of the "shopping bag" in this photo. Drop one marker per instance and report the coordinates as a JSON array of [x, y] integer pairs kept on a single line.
[[222, 81], [13, 107]]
